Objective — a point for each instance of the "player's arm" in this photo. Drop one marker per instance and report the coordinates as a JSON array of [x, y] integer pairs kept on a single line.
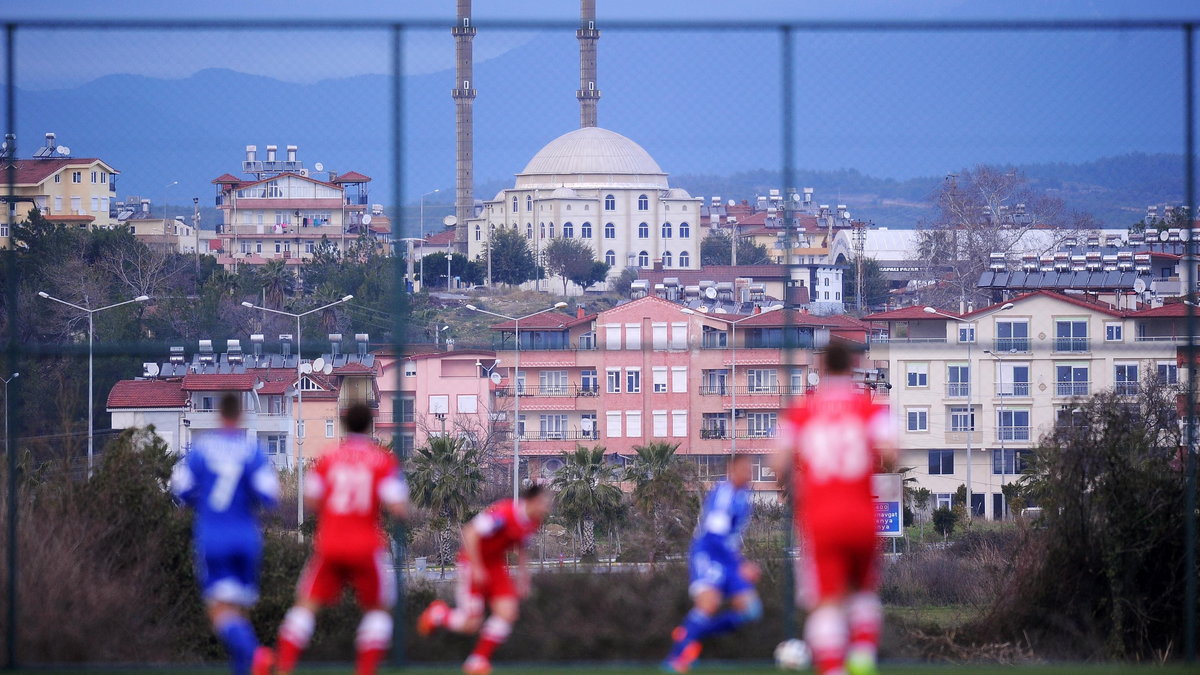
[[393, 494], [183, 481], [315, 488], [265, 481], [882, 431], [473, 533], [783, 458], [523, 578]]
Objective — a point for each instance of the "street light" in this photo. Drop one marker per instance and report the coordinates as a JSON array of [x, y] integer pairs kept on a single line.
[[449, 257], [970, 397], [422, 237], [516, 375], [733, 364], [91, 405], [299, 441], [174, 182]]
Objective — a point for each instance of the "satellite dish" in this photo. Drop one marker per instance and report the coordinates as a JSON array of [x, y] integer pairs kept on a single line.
[[318, 364], [732, 202], [1139, 285], [1185, 234], [450, 221], [1163, 235], [366, 219], [813, 378], [496, 378], [151, 369], [63, 150], [720, 310], [704, 309], [710, 293], [327, 369], [319, 166], [305, 368], [795, 196]]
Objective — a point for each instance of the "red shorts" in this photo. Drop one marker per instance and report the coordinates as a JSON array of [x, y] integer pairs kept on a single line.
[[325, 576], [472, 596], [835, 563]]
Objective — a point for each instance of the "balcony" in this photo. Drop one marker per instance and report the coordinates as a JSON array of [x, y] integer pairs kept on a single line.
[[1020, 344], [1071, 344], [714, 342], [756, 432], [1072, 388], [1127, 388], [566, 435], [550, 390], [583, 345], [755, 390], [1012, 433], [958, 390], [1019, 389], [714, 433], [885, 340]]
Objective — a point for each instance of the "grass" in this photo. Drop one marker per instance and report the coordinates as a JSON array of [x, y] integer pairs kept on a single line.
[[621, 669]]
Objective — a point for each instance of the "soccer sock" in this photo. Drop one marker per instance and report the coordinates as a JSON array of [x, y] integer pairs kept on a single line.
[[866, 615], [455, 620], [239, 640], [731, 619], [294, 634], [495, 632], [374, 637], [695, 625], [825, 630]]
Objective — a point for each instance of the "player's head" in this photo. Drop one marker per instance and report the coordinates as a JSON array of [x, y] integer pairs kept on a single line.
[[357, 418], [740, 470], [537, 500], [230, 408], [838, 359]]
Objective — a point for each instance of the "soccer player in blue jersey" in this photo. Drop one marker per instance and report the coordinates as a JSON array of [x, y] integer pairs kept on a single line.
[[226, 479], [718, 571]]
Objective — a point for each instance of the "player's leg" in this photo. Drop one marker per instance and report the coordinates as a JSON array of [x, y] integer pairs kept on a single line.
[[707, 578], [467, 614], [505, 608], [228, 589], [319, 583], [376, 589], [865, 613], [825, 629], [744, 600]]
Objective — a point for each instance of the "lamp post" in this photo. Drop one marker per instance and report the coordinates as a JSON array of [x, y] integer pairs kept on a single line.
[[516, 374], [11, 636], [449, 257], [733, 365], [168, 185], [422, 237], [6, 381], [91, 337], [299, 404], [970, 397], [409, 272]]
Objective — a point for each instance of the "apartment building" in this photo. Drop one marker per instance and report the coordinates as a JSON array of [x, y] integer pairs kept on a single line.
[[992, 381], [69, 190]]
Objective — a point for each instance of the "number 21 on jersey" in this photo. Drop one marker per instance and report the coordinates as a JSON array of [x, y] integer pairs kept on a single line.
[[350, 489]]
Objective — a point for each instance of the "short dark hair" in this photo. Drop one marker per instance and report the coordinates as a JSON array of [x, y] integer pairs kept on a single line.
[[532, 491], [357, 418], [231, 406], [838, 359]]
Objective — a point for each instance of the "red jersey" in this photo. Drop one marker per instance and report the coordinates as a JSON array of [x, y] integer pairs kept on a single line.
[[502, 527], [351, 482], [836, 434]]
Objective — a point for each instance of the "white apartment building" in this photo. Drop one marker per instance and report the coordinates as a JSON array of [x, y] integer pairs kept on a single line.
[[996, 379]]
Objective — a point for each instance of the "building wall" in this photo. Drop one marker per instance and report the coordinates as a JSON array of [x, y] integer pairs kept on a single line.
[[55, 199]]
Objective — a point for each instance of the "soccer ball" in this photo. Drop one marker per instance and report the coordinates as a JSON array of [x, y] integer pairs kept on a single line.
[[792, 655]]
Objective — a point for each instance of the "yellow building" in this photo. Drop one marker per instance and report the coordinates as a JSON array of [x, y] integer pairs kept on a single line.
[[68, 190]]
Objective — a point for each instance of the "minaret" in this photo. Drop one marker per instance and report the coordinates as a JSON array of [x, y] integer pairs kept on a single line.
[[588, 93], [464, 98]]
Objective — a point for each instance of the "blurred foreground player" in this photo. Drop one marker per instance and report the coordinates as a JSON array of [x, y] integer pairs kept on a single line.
[[832, 441], [718, 571], [347, 488], [227, 479], [483, 576]]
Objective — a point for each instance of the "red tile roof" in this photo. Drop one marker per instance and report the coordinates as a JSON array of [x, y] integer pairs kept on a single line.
[[907, 314], [147, 394], [226, 178], [1102, 307], [276, 387], [1173, 310], [221, 382], [443, 238], [353, 368], [352, 177], [485, 353], [551, 320], [34, 171]]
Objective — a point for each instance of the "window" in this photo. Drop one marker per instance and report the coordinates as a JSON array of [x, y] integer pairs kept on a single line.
[[643, 231], [58, 178], [75, 205], [585, 231], [761, 424], [1114, 332], [918, 375], [76, 176], [276, 444], [633, 380], [552, 426], [643, 203], [3, 229], [659, 423], [660, 379], [478, 232], [610, 257], [633, 423], [515, 203], [684, 259], [551, 230], [439, 404], [633, 336], [714, 338], [587, 426], [941, 462], [714, 425], [666, 258], [468, 403], [685, 231], [610, 231], [918, 419], [1012, 425], [666, 230], [58, 204], [1168, 372], [761, 381], [643, 259], [1012, 336], [612, 336], [529, 230], [1008, 460], [410, 368], [966, 333], [95, 203], [1070, 335], [568, 230], [103, 177], [613, 380], [613, 418], [610, 203], [958, 380], [679, 427], [1125, 379], [679, 379], [328, 428], [962, 419], [1012, 379], [796, 381], [589, 381], [541, 230], [658, 333], [944, 500], [528, 202], [1071, 379], [679, 335]]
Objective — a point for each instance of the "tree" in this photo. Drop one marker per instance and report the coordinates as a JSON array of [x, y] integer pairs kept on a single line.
[[875, 286], [276, 280], [468, 272], [512, 259], [586, 493], [716, 249], [944, 520], [663, 492], [624, 281], [445, 478], [573, 261]]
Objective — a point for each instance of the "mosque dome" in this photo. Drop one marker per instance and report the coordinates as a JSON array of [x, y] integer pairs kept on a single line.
[[591, 156]]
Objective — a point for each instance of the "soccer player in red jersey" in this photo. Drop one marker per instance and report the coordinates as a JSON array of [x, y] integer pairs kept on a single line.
[[347, 488], [483, 576], [831, 443]]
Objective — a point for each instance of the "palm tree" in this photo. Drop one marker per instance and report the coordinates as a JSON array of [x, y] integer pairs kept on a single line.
[[663, 490], [444, 477], [276, 280], [585, 493]]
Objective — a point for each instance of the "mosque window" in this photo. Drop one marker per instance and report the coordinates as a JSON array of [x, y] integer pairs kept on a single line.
[[478, 232], [585, 231], [551, 230], [610, 257], [528, 202], [610, 231], [610, 203], [643, 203], [514, 203], [643, 231], [529, 230], [666, 231], [568, 230], [684, 259], [666, 258], [685, 231], [643, 259]]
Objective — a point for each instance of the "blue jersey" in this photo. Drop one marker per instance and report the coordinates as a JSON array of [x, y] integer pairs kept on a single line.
[[724, 517], [227, 480]]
